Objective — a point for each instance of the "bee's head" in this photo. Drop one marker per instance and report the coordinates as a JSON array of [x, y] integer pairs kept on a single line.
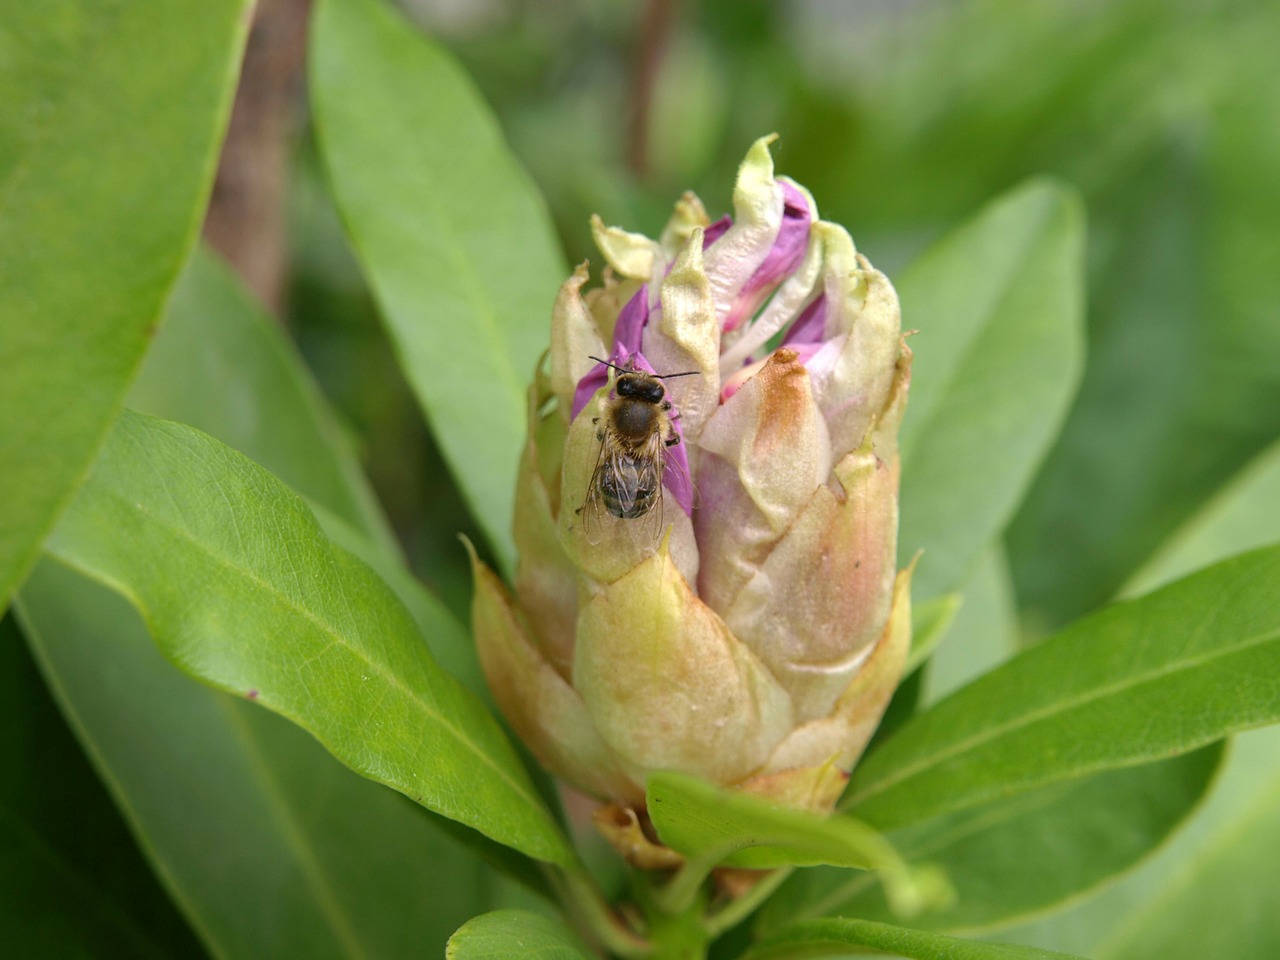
[[641, 386]]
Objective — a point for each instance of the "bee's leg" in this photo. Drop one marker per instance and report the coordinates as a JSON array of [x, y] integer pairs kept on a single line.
[[672, 440], [600, 436]]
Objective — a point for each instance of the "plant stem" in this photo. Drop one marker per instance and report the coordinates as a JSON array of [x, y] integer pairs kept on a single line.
[[736, 911], [584, 902]]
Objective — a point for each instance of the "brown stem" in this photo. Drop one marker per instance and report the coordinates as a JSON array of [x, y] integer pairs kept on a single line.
[[246, 218], [655, 32]]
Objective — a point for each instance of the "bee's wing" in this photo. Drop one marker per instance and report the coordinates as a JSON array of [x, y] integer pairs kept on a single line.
[[630, 479], [650, 525], [596, 518]]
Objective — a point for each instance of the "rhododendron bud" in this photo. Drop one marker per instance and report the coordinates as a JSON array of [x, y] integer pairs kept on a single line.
[[707, 509]]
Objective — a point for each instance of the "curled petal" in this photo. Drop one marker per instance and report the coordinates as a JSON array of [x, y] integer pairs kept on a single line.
[[813, 609], [782, 310], [758, 207], [541, 707], [788, 249], [689, 215], [627, 334], [767, 450], [685, 337], [854, 370], [574, 338], [632, 255], [716, 230], [667, 684]]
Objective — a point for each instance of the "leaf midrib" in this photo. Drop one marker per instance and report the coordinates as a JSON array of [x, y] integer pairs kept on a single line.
[[1023, 720], [334, 635]]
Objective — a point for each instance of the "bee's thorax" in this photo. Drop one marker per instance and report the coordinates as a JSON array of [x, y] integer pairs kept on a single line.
[[635, 420]]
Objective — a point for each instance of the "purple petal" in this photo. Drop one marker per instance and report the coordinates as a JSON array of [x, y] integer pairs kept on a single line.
[[783, 257], [631, 321], [627, 332], [716, 230], [810, 326], [675, 473], [587, 387]]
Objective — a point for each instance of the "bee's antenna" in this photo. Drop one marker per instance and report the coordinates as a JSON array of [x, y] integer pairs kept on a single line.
[[660, 376], [608, 364]]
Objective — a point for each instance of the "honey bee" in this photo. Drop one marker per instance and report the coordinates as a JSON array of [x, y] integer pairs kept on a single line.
[[634, 429]]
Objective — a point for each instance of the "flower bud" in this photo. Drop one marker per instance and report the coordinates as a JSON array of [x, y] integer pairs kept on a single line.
[[707, 522]]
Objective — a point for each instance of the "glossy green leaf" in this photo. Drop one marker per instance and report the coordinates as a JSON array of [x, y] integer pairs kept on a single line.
[[713, 826], [828, 938], [1211, 892], [450, 231], [448, 640], [240, 587], [1030, 853], [999, 307], [514, 933], [103, 176], [1025, 855], [695, 818], [72, 882], [222, 365], [270, 846], [1139, 681], [357, 857]]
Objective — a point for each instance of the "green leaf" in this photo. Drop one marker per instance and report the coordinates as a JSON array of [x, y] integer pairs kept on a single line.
[[1210, 893], [999, 307], [113, 116], [825, 938], [930, 622], [270, 846], [1243, 515], [449, 641], [241, 588], [1024, 855], [1139, 681], [72, 883], [355, 856], [712, 826], [451, 234], [983, 634], [514, 933], [220, 364]]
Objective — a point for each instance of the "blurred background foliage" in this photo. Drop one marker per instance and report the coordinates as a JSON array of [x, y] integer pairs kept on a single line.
[[902, 118]]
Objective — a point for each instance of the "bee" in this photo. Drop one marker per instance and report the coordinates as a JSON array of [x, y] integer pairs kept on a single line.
[[634, 429]]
